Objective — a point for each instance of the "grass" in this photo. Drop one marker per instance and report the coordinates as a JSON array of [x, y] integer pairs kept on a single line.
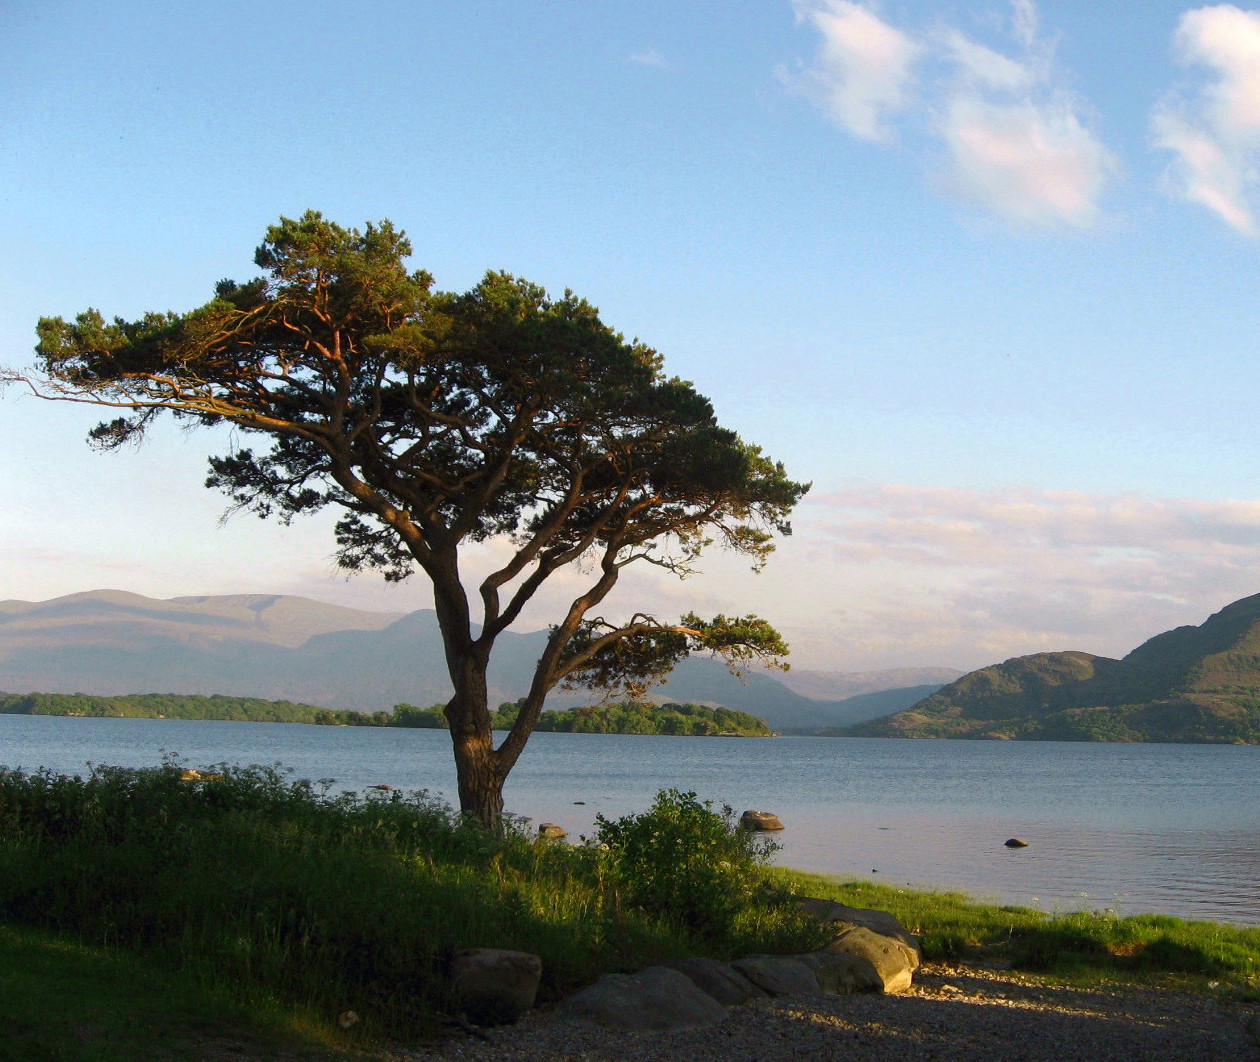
[[267, 892], [65, 1001], [1077, 946], [142, 914]]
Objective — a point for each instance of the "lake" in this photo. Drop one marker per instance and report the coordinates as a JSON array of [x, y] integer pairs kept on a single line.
[[1173, 829]]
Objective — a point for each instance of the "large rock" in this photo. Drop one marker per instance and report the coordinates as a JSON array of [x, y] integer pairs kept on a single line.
[[840, 974], [778, 975], [493, 987], [871, 952], [844, 917], [657, 999], [760, 820], [718, 979], [893, 962]]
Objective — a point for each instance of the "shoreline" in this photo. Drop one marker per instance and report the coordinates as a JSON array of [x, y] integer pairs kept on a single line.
[[933, 894]]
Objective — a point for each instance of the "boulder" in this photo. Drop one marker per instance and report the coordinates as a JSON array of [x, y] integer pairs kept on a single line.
[[845, 917], [492, 986], [778, 975], [760, 820], [551, 832], [893, 962], [839, 974], [1015, 842], [718, 979], [656, 999]]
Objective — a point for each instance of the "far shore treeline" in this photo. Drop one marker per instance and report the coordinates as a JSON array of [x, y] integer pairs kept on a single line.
[[626, 717]]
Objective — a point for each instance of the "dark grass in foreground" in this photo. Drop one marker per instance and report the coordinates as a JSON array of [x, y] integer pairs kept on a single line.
[[65, 1001], [251, 902], [267, 892]]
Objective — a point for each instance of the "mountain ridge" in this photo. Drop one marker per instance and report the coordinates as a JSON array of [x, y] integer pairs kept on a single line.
[[1193, 683], [112, 642]]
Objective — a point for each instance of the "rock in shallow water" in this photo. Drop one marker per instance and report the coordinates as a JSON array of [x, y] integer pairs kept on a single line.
[[760, 820]]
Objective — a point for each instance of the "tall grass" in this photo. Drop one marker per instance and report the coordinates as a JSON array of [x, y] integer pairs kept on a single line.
[[274, 889]]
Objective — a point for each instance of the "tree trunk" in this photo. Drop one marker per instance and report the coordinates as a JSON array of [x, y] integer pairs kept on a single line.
[[479, 771], [478, 775]]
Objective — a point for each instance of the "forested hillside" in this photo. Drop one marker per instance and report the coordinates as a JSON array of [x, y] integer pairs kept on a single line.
[[1192, 684], [684, 720]]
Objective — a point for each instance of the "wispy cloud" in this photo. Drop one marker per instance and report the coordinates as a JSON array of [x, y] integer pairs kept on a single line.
[[967, 577], [1015, 142], [1214, 129], [649, 57]]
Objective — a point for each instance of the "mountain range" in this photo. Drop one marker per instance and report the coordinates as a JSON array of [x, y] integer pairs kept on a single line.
[[1191, 684], [292, 648]]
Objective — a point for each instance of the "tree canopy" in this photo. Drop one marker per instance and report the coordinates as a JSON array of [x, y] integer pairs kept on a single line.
[[437, 419]]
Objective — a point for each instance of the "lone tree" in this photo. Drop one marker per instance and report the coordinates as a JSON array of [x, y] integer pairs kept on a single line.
[[435, 420]]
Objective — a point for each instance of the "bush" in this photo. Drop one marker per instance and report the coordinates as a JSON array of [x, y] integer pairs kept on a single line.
[[683, 862]]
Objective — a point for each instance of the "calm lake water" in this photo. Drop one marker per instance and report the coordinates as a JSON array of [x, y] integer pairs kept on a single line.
[[1165, 828]]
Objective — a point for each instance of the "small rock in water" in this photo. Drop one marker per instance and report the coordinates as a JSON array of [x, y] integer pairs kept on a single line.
[[579, 801], [1015, 842], [760, 820], [552, 832]]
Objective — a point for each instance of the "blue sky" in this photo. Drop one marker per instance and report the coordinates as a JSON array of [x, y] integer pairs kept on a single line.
[[984, 272]]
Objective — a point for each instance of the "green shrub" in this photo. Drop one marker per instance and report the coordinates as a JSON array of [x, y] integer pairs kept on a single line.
[[685, 862]]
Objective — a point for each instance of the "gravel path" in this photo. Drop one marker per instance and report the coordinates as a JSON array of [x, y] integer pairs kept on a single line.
[[960, 1013]]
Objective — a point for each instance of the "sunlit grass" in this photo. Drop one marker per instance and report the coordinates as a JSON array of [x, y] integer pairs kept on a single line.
[[1080, 945]]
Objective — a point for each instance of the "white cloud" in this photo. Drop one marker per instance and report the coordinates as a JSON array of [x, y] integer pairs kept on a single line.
[[1030, 163], [862, 74], [1015, 143], [1214, 131]]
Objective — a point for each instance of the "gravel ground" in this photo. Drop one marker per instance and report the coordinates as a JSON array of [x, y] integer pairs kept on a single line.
[[951, 1013]]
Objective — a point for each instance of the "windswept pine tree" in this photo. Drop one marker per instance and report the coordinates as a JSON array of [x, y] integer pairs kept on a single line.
[[435, 421]]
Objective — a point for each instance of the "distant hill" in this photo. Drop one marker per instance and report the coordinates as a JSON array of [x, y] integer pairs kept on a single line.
[[867, 706], [1192, 684], [109, 642], [849, 685]]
